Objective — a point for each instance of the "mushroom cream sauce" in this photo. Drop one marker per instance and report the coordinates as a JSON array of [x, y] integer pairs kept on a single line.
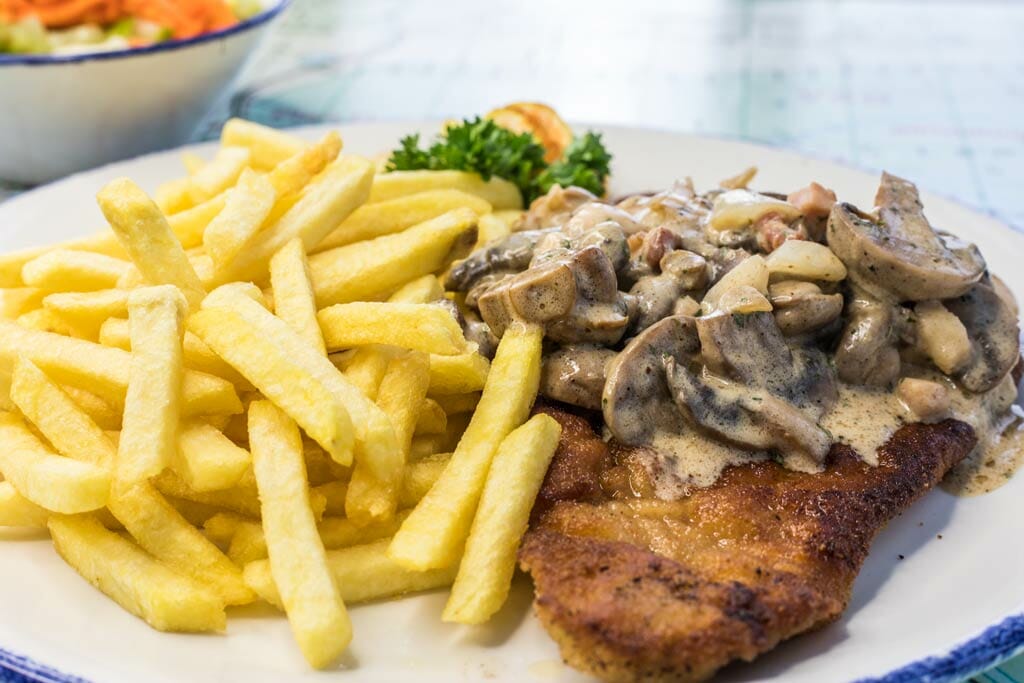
[[730, 327]]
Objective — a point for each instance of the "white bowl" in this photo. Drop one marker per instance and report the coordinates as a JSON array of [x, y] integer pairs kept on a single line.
[[66, 113]]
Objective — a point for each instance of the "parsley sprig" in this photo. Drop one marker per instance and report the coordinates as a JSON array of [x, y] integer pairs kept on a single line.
[[484, 147]]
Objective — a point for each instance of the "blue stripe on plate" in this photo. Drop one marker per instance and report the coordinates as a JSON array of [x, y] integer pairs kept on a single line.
[[18, 669], [995, 644]]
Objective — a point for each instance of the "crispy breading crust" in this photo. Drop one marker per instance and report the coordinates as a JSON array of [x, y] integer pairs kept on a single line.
[[641, 589]]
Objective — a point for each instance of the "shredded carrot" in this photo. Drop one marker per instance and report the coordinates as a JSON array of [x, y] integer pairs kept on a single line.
[[184, 18]]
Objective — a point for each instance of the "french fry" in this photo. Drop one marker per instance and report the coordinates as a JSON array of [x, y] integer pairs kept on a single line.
[[190, 225], [267, 147], [426, 446], [17, 301], [16, 510], [366, 368], [363, 573], [461, 374], [434, 533], [148, 238], [338, 191], [166, 600], [66, 426], [207, 460], [174, 196], [196, 355], [456, 404], [245, 210], [432, 418], [219, 173], [294, 173], [195, 512], [221, 527], [280, 376], [149, 431], [100, 411], [104, 371], [50, 481], [298, 562], [294, 301], [48, 321], [373, 432], [498, 192], [491, 229], [373, 490], [87, 311], [418, 327], [80, 271], [166, 535], [420, 477], [243, 500], [192, 162], [422, 290], [395, 215], [489, 560], [335, 492], [370, 269]]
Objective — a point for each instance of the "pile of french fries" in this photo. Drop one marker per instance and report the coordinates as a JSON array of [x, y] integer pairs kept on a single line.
[[245, 389]]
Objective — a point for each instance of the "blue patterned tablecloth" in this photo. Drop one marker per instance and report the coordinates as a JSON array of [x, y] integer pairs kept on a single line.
[[930, 90]]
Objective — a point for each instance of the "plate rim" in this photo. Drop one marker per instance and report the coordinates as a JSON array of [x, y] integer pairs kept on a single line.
[[991, 646]]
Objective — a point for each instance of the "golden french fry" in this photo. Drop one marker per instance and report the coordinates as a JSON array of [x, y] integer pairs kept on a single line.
[[100, 411], [174, 196], [370, 269], [48, 321], [62, 270], [461, 374], [362, 572], [426, 446], [221, 527], [498, 192], [432, 418], [422, 290], [104, 371], [245, 210], [147, 236], [490, 228], [192, 162], [190, 225], [338, 191], [66, 426], [207, 460], [140, 584], [196, 355], [420, 477], [294, 301], [294, 173], [418, 327], [373, 432], [457, 404], [268, 147], [298, 562], [241, 499], [366, 368], [149, 431], [434, 533], [166, 535], [373, 490], [219, 174], [50, 481], [489, 560], [17, 301], [17, 510], [395, 215], [87, 311], [280, 377]]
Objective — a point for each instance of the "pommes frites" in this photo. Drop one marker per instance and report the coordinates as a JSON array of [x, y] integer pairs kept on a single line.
[[250, 388]]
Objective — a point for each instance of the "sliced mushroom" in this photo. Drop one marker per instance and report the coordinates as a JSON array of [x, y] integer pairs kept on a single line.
[[748, 417], [636, 401], [867, 351], [511, 254], [590, 215], [554, 208], [901, 255], [575, 374], [608, 237], [995, 337], [750, 350], [802, 308]]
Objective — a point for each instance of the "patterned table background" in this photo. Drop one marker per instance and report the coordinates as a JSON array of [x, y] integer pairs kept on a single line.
[[933, 91]]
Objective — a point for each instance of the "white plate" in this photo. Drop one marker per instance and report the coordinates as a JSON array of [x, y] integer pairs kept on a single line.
[[946, 591]]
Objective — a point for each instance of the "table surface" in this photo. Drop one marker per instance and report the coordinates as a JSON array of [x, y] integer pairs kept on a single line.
[[932, 91]]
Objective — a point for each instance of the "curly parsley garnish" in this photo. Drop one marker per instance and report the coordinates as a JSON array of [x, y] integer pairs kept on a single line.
[[484, 147]]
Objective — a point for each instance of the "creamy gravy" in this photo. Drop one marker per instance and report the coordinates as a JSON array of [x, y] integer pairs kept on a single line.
[[864, 419], [680, 462]]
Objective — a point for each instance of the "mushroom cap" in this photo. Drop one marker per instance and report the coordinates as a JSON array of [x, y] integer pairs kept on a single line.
[[900, 254], [994, 333]]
